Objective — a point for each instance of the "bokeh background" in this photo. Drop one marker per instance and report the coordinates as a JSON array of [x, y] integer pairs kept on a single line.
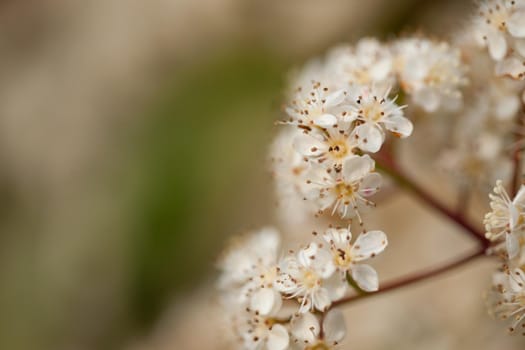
[[133, 141]]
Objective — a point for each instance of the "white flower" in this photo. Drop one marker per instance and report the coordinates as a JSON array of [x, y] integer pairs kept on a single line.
[[249, 270], [506, 219], [477, 159], [347, 256], [430, 72], [344, 192], [374, 110], [306, 330], [316, 106], [310, 277], [500, 25], [261, 333], [288, 170], [508, 298], [369, 62], [329, 146]]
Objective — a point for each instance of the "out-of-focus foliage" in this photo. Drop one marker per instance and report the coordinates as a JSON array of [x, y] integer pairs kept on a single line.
[[198, 132]]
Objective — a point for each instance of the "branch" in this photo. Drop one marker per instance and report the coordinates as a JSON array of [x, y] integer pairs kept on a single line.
[[411, 279], [516, 159], [391, 169]]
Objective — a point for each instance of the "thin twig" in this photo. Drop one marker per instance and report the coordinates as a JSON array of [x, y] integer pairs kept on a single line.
[[402, 180], [414, 278], [516, 160]]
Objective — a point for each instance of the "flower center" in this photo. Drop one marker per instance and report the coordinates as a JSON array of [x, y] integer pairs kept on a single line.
[[342, 258], [344, 190], [338, 149], [373, 112], [268, 276], [319, 346], [310, 279]]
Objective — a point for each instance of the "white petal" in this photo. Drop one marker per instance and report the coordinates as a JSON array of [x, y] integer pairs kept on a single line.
[[514, 216], [507, 107], [513, 245], [516, 24], [266, 301], [335, 98], [356, 168], [517, 280], [519, 200], [368, 244], [511, 66], [336, 286], [326, 120], [370, 137], [322, 299], [308, 145], [334, 326], [370, 184], [497, 45], [337, 236], [304, 256], [428, 99], [399, 125], [381, 69], [305, 328], [366, 277], [278, 338], [323, 263]]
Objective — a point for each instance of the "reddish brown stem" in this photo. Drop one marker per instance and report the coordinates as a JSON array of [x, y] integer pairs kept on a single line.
[[391, 169], [516, 160], [414, 278]]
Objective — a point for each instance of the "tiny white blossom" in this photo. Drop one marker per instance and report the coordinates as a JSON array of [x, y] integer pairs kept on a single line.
[[309, 277], [500, 26], [348, 257], [249, 269], [316, 105], [368, 62], [508, 298], [345, 192], [431, 73], [288, 170], [506, 219], [306, 330], [261, 333], [329, 146], [373, 109]]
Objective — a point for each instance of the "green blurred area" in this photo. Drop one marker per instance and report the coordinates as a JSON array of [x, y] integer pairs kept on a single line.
[[212, 123]]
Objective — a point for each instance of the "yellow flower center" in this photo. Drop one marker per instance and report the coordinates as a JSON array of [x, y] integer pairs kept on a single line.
[[373, 112], [319, 346], [310, 279], [338, 149], [342, 258], [344, 190]]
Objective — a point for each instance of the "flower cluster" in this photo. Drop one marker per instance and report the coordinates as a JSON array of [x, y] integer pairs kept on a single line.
[[273, 300], [480, 134], [505, 226], [345, 106], [500, 26], [342, 113]]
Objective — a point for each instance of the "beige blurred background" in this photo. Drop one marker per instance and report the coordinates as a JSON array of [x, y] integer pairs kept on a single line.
[[133, 137]]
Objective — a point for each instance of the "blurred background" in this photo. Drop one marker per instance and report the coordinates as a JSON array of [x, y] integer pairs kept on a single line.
[[133, 141]]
